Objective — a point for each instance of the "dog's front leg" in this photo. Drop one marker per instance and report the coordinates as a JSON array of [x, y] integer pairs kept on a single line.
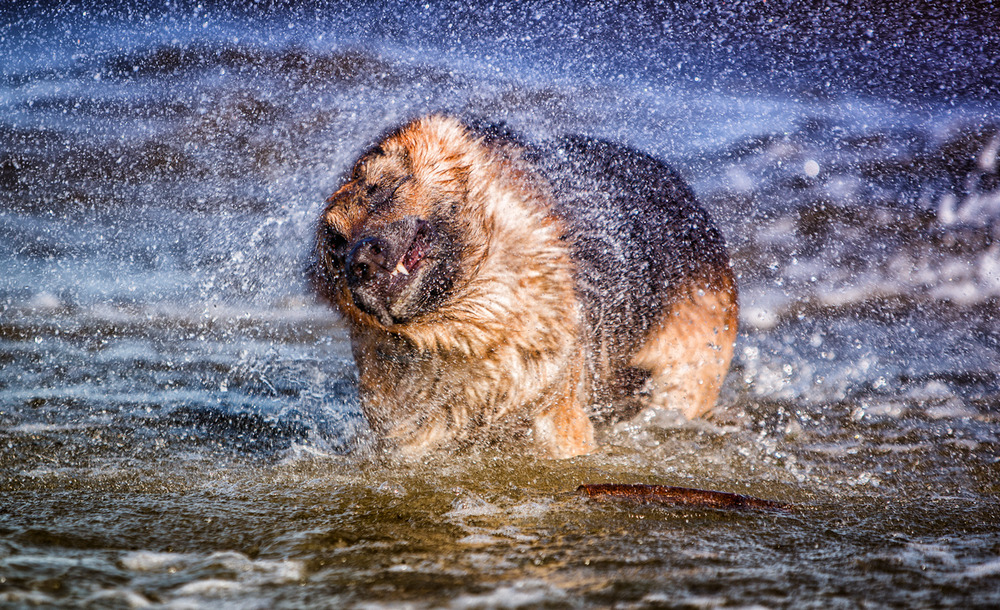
[[562, 428]]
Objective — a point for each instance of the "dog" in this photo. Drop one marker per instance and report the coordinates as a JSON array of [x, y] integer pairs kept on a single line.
[[502, 292]]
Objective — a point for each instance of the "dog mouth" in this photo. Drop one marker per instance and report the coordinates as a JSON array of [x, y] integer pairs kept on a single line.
[[414, 255], [397, 271]]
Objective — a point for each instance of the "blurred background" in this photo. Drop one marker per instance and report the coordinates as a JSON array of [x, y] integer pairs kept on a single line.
[[161, 168]]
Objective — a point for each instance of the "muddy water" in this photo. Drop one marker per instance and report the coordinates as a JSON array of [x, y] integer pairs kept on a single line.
[[178, 416]]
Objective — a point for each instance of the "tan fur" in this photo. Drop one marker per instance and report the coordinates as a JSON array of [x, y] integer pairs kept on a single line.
[[506, 353], [689, 350]]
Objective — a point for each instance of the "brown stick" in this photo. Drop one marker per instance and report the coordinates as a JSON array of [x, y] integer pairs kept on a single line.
[[681, 496]]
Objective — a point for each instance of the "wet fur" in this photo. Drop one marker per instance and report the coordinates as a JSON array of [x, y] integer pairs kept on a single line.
[[549, 285]]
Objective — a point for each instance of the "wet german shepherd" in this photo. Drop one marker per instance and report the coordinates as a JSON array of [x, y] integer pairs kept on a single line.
[[499, 292]]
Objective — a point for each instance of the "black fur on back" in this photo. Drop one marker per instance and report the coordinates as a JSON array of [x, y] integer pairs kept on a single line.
[[638, 236]]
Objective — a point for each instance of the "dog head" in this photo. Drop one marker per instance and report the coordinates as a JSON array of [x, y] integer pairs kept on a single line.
[[390, 243]]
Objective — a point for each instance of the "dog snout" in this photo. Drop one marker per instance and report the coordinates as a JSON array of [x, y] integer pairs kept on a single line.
[[378, 249], [366, 260]]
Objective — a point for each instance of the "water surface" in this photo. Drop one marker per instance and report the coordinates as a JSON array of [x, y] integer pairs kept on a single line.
[[179, 418]]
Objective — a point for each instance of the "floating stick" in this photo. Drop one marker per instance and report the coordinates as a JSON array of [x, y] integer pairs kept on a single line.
[[681, 496]]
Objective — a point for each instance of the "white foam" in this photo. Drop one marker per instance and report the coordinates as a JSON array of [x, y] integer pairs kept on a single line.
[[37, 428], [932, 390], [920, 554], [989, 568], [530, 510], [210, 587], [27, 598], [952, 409], [260, 571], [479, 540], [394, 605], [760, 318], [979, 209], [472, 506], [45, 301], [149, 561], [248, 571], [511, 532], [117, 598], [522, 594], [670, 599]]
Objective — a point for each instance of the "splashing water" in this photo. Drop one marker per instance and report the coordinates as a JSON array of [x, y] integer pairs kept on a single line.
[[177, 411]]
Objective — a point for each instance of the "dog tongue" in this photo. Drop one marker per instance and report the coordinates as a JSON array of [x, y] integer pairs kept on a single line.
[[412, 257], [410, 260]]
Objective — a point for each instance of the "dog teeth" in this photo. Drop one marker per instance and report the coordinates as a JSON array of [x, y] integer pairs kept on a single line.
[[400, 268]]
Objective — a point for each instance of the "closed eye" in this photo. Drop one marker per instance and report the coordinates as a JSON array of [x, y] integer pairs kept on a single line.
[[380, 196], [336, 244]]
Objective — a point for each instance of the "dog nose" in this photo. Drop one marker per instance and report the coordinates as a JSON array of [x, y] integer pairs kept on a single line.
[[365, 260]]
